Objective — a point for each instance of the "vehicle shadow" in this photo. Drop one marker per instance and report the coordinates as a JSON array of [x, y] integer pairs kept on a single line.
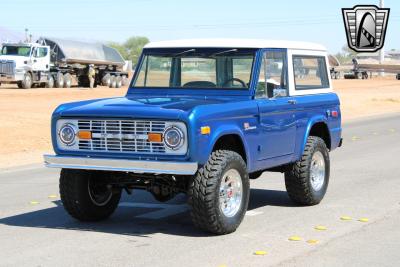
[[128, 221]]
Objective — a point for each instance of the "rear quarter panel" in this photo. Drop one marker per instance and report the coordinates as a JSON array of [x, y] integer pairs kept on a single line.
[[313, 109]]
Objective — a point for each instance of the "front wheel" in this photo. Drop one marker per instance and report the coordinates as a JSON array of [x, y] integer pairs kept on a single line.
[[26, 82], [307, 179], [219, 193], [88, 195]]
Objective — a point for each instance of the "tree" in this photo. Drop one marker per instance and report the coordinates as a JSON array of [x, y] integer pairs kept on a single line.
[[346, 55], [131, 48]]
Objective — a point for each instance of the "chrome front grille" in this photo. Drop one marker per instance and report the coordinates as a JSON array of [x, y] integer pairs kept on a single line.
[[7, 67], [121, 136]]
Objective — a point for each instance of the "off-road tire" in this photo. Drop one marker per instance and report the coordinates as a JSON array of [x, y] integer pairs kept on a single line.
[[298, 179], [76, 199], [204, 193]]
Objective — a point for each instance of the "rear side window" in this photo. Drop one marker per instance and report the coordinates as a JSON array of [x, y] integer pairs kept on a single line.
[[310, 72]]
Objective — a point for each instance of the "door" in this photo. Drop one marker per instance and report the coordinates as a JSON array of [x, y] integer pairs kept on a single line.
[[277, 117], [41, 58]]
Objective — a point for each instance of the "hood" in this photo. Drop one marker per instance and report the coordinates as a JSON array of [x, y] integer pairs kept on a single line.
[[137, 107], [19, 60]]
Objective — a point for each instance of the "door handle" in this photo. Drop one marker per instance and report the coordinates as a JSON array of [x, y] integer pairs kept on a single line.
[[292, 101]]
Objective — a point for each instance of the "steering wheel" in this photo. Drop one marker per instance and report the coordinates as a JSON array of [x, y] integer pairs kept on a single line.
[[234, 80]]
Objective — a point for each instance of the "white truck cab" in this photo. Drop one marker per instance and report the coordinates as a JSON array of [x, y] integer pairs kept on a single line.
[[25, 64]]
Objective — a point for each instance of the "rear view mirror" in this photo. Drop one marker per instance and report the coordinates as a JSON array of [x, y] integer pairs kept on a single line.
[[279, 92]]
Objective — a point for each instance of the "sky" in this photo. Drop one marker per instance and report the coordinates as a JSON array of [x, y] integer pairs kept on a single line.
[[116, 20]]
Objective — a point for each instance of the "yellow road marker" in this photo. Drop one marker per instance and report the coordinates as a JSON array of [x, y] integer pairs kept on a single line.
[[320, 228], [223, 265], [295, 238], [260, 252], [375, 133], [34, 202], [392, 130], [363, 220], [346, 218], [312, 241], [52, 196], [355, 138]]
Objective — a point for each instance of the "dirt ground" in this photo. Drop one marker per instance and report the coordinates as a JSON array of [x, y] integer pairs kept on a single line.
[[25, 114]]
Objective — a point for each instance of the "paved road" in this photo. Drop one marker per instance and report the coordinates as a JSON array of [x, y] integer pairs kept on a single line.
[[365, 183]]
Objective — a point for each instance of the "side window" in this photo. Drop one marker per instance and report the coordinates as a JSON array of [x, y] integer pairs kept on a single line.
[[41, 52], [310, 72], [273, 74]]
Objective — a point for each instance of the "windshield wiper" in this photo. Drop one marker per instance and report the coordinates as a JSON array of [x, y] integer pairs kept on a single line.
[[185, 52], [223, 52]]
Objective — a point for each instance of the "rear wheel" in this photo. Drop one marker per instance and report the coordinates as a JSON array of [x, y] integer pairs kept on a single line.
[[106, 80], [118, 82], [59, 81], [87, 195], [219, 193], [50, 82], [307, 179], [113, 82], [125, 80], [67, 80]]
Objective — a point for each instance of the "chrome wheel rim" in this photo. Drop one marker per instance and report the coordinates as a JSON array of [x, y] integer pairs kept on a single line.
[[230, 193], [100, 194], [317, 171], [28, 79]]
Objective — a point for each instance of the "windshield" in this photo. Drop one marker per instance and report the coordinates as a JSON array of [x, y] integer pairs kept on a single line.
[[196, 68], [16, 51]]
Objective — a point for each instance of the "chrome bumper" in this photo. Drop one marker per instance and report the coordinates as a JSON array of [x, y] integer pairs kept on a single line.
[[106, 164], [11, 77]]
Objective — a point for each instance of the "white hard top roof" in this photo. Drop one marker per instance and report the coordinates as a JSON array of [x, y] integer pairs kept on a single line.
[[235, 43]]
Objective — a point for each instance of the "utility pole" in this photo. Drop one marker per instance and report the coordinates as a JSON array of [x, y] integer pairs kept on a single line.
[[26, 34], [382, 51]]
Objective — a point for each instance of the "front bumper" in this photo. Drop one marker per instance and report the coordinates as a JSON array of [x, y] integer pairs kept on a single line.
[[124, 165], [10, 78]]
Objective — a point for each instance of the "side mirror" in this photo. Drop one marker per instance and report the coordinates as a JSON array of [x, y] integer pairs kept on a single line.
[[279, 92]]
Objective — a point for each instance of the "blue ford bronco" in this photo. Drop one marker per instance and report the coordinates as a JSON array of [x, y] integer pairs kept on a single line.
[[202, 117]]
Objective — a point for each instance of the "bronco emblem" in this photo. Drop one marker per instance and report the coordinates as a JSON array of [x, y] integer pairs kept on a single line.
[[365, 27]]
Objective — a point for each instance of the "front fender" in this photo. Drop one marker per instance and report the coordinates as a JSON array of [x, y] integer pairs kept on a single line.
[[208, 142]]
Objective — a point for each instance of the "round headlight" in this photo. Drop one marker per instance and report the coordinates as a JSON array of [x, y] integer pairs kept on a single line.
[[173, 137], [67, 134]]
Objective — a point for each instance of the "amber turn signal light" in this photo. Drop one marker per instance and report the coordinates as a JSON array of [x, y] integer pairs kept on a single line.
[[85, 135], [205, 130], [154, 137]]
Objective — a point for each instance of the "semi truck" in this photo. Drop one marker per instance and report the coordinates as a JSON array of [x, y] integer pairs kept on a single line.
[[53, 62]]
